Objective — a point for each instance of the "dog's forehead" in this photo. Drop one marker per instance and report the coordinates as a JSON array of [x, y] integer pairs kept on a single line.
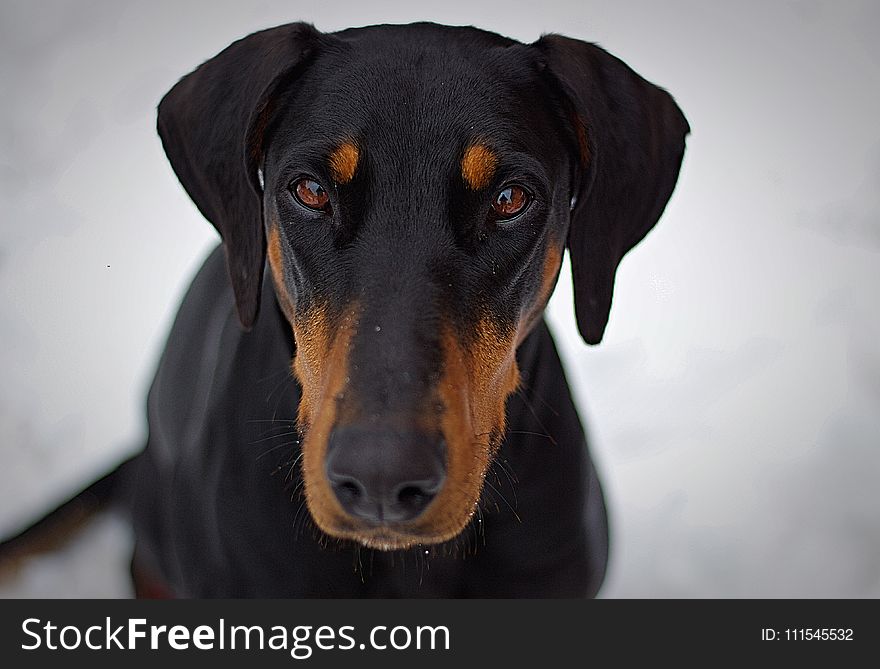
[[434, 89]]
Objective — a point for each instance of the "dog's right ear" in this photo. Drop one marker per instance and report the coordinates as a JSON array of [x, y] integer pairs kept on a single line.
[[212, 125]]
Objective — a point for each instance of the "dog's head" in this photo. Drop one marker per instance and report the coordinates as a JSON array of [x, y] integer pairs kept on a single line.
[[413, 188]]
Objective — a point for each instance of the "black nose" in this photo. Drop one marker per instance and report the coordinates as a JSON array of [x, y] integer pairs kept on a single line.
[[382, 475]]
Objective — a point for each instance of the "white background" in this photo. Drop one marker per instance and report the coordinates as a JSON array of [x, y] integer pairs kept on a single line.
[[733, 405]]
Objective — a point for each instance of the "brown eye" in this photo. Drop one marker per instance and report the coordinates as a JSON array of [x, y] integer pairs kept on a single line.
[[510, 201], [310, 194]]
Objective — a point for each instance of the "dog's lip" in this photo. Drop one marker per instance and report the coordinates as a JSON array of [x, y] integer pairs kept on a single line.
[[384, 536], [380, 529]]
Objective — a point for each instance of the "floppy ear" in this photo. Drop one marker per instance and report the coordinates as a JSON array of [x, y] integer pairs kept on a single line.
[[212, 124], [631, 141]]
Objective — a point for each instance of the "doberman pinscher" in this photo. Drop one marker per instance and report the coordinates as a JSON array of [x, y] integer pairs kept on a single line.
[[394, 203]]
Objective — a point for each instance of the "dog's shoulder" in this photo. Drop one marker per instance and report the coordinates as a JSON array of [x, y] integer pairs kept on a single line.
[[212, 368]]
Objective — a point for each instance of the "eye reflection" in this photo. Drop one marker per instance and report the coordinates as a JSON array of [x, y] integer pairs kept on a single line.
[[510, 202], [310, 194]]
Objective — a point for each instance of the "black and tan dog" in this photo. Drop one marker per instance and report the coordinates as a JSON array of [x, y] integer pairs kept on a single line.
[[396, 422]]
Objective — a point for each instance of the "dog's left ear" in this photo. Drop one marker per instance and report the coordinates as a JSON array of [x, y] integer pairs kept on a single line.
[[212, 125], [631, 137]]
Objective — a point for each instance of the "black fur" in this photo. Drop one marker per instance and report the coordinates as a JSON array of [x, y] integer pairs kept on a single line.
[[219, 510]]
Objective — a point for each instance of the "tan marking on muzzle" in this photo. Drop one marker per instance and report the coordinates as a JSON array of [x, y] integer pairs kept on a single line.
[[476, 380], [494, 374], [321, 365], [474, 387]]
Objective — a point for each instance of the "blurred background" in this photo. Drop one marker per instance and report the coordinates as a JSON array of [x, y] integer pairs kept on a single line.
[[733, 405]]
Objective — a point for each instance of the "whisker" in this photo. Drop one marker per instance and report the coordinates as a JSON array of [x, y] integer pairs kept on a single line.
[[481, 530], [291, 421], [275, 436], [534, 413], [274, 448], [533, 434], [547, 405], [511, 479], [286, 376], [504, 499], [504, 466]]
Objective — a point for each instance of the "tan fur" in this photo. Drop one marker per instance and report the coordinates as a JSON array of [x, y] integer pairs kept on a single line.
[[321, 365], [478, 166], [474, 387], [476, 382], [276, 265], [549, 276], [344, 162]]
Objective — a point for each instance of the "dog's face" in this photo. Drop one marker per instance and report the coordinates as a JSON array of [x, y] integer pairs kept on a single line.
[[416, 200], [413, 189]]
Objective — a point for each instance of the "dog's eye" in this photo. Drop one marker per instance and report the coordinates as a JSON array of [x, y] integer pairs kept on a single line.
[[510, 202], [310, 194]]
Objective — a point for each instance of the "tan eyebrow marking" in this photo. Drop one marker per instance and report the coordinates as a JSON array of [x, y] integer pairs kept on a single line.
[[478, 166], [344, 162]]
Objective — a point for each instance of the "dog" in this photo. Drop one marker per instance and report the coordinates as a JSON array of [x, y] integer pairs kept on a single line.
[[359, 396]]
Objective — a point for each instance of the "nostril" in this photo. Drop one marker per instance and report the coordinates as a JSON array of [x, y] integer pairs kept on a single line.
[[410, 496], [348, 490], [414, 498]]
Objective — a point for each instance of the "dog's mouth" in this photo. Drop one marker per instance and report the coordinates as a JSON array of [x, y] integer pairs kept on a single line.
[[384, 537]]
